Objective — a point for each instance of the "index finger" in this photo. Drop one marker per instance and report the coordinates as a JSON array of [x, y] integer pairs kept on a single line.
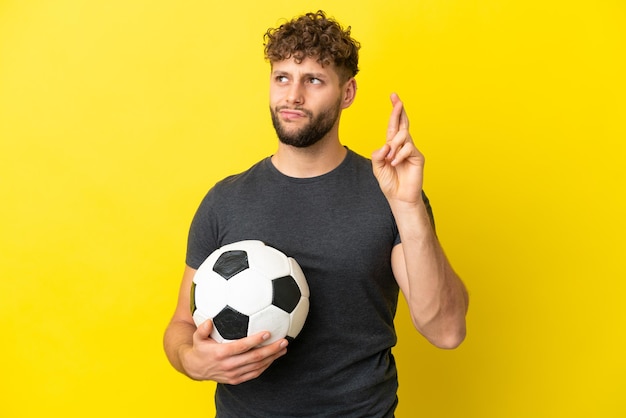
[[246, 344], [398, 119], [404, 118]]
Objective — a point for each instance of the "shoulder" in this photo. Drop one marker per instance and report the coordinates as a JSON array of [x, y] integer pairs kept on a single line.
[[360, 168], [232, 185], [257, 173], [258, 170], [356, 159]]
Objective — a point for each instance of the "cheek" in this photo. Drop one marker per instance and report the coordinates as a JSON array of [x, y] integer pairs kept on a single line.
[[274, 97]]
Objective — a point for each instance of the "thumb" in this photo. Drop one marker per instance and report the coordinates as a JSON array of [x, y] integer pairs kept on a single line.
[[379, 156], [203, 331]]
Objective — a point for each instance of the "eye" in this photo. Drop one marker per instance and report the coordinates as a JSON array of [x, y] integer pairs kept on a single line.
[[314, 80], [281, 78]]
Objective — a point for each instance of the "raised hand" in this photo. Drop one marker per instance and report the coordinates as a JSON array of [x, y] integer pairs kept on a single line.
[[399, 165]]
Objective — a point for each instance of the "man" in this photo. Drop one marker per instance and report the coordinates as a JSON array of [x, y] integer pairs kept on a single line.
[[361, 230]]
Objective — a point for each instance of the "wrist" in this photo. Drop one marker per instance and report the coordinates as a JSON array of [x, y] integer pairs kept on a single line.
[[185, 354], [412, 217], [403, 208]]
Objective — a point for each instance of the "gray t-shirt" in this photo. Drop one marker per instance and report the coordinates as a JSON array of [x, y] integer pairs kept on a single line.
[[340, 229]]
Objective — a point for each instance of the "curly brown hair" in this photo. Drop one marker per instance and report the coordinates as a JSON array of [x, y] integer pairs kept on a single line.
[[314, 35]]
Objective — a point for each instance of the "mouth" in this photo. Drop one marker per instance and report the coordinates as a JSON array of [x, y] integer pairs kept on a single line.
[[292, 114]]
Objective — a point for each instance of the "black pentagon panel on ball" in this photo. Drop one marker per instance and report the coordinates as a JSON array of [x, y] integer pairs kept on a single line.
[[231, 263], [286, 293], [231, 324]]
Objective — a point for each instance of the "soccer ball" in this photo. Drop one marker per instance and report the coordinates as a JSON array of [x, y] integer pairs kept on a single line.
[[247, 287]]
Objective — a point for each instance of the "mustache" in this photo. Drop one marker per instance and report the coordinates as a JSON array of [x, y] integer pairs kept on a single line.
[[296, 108]]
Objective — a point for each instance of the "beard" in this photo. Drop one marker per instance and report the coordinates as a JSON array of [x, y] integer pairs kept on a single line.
[[311, 133]]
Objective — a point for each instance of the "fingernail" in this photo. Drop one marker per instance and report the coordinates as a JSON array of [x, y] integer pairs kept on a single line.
[[266, 335], [284, 344]]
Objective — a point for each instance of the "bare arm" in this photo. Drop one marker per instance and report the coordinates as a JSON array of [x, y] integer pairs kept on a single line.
[[192, 352], [436, 296]]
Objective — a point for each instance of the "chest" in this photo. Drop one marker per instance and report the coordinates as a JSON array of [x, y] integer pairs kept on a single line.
[[349, 227]]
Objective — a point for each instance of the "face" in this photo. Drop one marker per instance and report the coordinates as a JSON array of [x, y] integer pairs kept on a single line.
[[306, 100]]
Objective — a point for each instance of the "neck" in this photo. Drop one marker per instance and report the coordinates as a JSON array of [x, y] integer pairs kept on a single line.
[[313, 161]]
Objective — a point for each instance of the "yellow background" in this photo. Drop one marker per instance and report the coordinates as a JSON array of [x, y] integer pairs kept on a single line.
[[117, 116]]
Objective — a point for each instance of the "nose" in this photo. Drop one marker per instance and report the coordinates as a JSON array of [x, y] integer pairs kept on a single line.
[[295, 94]]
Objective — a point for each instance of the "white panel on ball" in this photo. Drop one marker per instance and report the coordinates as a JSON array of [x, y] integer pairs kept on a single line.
[[271, 319], [248, 293]]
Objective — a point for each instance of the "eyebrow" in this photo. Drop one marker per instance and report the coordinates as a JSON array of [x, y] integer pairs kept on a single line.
[[311, 75]]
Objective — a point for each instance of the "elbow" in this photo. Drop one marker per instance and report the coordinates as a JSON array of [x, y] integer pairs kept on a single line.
[[450, 340], [447, 336], [452, 328], [446, 327]]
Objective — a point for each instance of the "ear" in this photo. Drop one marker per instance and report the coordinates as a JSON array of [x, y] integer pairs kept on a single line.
[[349, 93]]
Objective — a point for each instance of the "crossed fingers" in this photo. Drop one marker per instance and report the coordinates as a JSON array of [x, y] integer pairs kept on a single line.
[[398, 137]]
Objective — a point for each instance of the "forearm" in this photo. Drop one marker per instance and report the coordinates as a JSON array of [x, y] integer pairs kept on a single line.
[[178, 336], [437, 297]]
